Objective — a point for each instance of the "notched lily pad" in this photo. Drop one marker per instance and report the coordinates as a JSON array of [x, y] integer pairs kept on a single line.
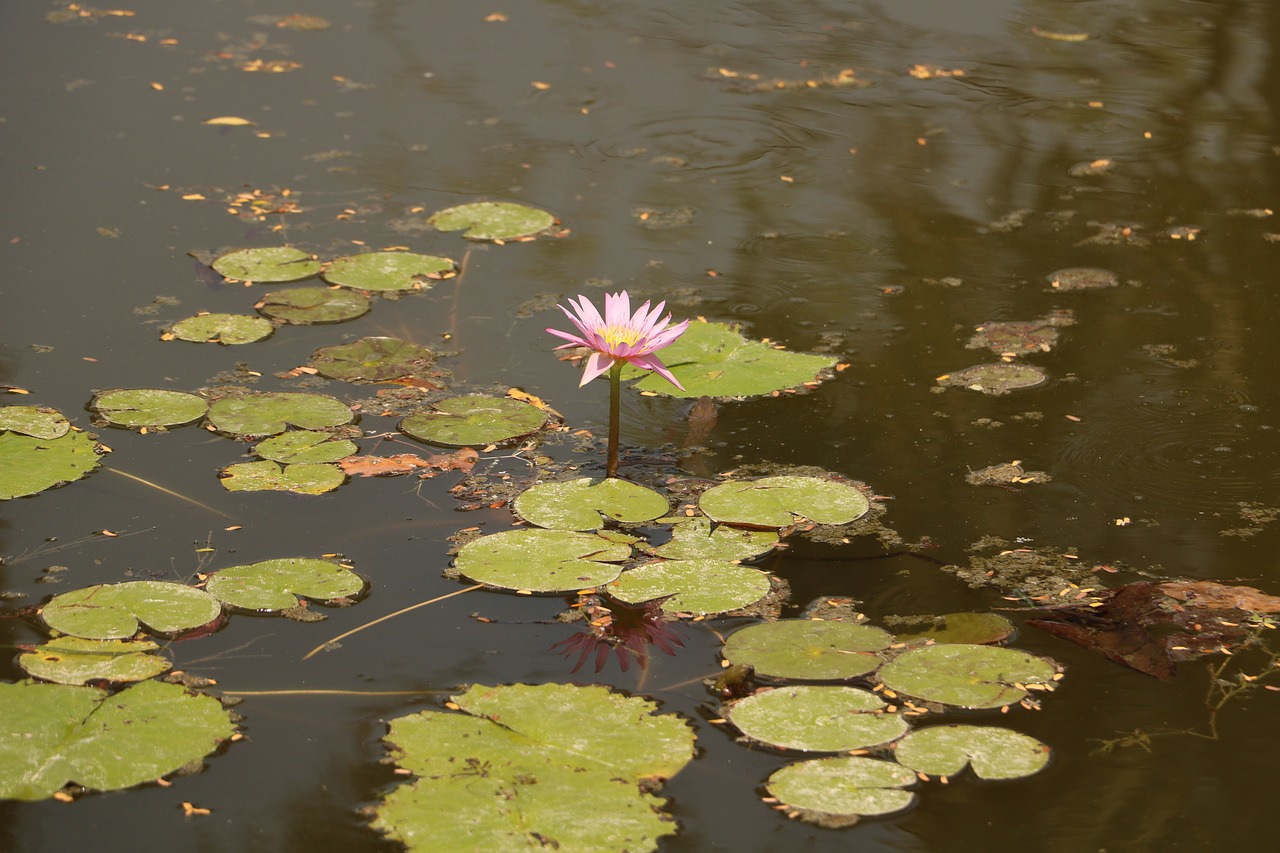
[[816, 718], [114, 611], [389, 271], [475, 420], [307, 306], [375, 359], [778, 501], [1082, 278], [542, 560], [76, 660], [585, 503], [806, 649], [304, 445], [275, 585], [271, 264], [29, 464], [968, 675], [222, 329], [980, 628], [837, 791], [701, 587], [993, 753], [267, 476], [148, 407], [35, 421], [492, 220], [696, 539], [995, 379], [271, 413]]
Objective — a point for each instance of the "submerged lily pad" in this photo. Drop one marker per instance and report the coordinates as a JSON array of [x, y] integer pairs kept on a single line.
[[304, 445], [542, 560], [273, 412], [956, 628], [995, 379], [267, 476], [148, 407], [713, 360], [52, 735], [29, 464], [274, 585], [695, 586], [1014, 337], [967, 675], [492, 220], [113, 611], [584, 503], [75, 660], [843, 787], [777, 501], [223, 329], [389, 271], [35, 421], [1082, 278], [815, 718], [307, 306], [272, 264], [535, 767], [993, 753], [376, 359], [695, 539], [475, 420], [807, 649]]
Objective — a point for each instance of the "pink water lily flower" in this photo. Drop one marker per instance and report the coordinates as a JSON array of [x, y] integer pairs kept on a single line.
[[620, 335]]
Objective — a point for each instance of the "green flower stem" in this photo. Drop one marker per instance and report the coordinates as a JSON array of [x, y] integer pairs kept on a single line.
[[615, 407]]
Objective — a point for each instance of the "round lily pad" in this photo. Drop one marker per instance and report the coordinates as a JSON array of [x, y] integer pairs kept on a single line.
[[389, 271], [274, 412], [307, 306], [29, 464], [1017, 337], [695, 586], [222, 328], [376, 359], [1082, 278], [956, 628], [304, 445], [35, 421], [267, 476], [75, 660], [992, 752], [272, 264], [584, 503], [541, 560], [996, 379], [966, 675], [814, 718], [492, 220], [807, 649], [695, 539], [274, 585], [148, 407], [115, 611], [475, 420], [777, 501], [843, 787]]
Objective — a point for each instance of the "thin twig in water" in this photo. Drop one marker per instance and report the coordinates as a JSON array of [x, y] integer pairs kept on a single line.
[[358, 629], [332, 692], [169, 492]]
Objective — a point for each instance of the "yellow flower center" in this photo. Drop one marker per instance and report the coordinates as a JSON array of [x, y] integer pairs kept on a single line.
[[615, 335]]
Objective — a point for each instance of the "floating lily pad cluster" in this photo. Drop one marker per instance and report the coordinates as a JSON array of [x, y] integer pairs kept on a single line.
[[40, 450]]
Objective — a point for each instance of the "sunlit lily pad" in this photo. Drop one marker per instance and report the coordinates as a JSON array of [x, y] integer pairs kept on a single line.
[[114, 611], [273, 585], [475, 420], [777, 501], [389, 271], [967, 675], [807, 649], [843, 787], [535, 767], [695, 539], [376, 359], [542, 560], [35, 421], [957, 628], [273, 412], [304, 445], [306, 306], [585, 503], [695, 586], [267, 476], [75, 660], [713, 360], [492, 220], [55, 734], [993, 753], [222, 328], [1082, 278], [996, 379], [816, 718], [272, 264], [148, 407], [29, 465]]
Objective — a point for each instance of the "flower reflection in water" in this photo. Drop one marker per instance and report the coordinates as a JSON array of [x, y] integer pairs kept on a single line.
[[627, 630]]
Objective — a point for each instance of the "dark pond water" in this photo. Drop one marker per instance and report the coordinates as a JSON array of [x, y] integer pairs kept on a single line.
[[882, 222]]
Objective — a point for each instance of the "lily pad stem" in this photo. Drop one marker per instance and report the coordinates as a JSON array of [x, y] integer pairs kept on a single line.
[[615, 407]]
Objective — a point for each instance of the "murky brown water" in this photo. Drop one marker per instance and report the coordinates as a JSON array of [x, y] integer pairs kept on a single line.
[[882, 221]]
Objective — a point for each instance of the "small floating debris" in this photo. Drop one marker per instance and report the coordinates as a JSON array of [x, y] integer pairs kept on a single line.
[[1083, 278]]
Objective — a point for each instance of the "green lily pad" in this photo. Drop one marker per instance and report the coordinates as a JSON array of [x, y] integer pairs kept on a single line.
[[272, 413], [542, 560], [375, 359], [389, 271], [35, 421], [148, 407], [114, 611], [957, 628], [308, 306], [806, 649], [967, 675], [268, 476], [223, 329], [695, 586], [475, 420], [696, 539], [524, 766], [584, 503], [75, 660], [996, 379], [713, 360], [52, 735], [492, 220], [814, 718], [304, 446], [993, 753], [273, 264], [29, 464], [273, 585], [1082, 278], [843, 787], [777, 501]]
